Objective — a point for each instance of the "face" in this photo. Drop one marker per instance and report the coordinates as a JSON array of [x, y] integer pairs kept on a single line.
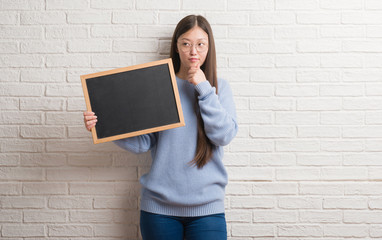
[[192, 47]]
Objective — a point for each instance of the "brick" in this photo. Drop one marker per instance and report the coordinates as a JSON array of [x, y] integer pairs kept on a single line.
[[362, 103], [21, 61], [297, 61], [27, 174], [372, 61], [249, 173], [251, 145], [42, 18], [372, 188], [20, 118], [115, 203], [22, 5], [299, 32], [250, 5], [273, 132], [272, 159], [374, 89], [9, 189], [318, 76], [342, 146], [359, 17], [42, 104], [237, 189], [22, 230], [296, 90], [68, 174], [42, 75], [135, 46], [252, 89], [112, 60], [89, 46], [91, 159], [42, 159], [227, 19], [373, 4], [273, 18], [9, 104], [296, 5], [300, 203], [273, 76], [43, 47], [375, 231], [318, 46], [375, 173], [70, 231], [47, 216], [344, 203], [297, 174], [112, 174], [319, 18], [375, 203], [9, 160], [252, 32], [94, 216], [342, 32], [21, 32], [321, 189], [238, 216], [362, 132], [251, 61], [7, 75], [271, 104], [131, 17], [243, 230], [89, 18], [70, 32], [9, 216], [344, 174], [225, 46], [374, 31], [45, 188], [342, 4], [70, 5], [275, 188], [318, 131], [21, 145], [66, 90], [116, 230], [111, 4], [319, 159], [272, 47], [216, 5], [297, 118], [68, 61], [373, 118], [8, 47], [92, 189], [300, 230], [8, 132], [274, 216], [317, 104], [155, 31], [22, 202], [342, 118], [350, 230], [252, 203], [70, 202]]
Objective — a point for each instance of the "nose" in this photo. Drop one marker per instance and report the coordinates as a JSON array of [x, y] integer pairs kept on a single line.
[[193, 50]]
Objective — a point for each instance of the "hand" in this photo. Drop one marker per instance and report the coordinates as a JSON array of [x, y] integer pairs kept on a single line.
[[90, 120], [195, 75]]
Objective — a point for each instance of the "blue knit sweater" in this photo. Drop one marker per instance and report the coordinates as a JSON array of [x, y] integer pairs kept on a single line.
[[173, 186]]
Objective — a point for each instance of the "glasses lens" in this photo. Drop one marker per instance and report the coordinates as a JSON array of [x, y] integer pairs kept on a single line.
[[185, 46]]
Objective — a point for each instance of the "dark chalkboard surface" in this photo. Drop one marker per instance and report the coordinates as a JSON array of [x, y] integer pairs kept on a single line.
[[134, 100]]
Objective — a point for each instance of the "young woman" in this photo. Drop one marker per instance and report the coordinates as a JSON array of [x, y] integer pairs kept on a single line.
[[183, 194]]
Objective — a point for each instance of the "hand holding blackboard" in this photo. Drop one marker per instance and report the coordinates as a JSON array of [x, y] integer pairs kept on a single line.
[[90, 120], [132, 101]]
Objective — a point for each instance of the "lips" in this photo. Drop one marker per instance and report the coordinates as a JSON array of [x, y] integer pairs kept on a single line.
[[194, 59]]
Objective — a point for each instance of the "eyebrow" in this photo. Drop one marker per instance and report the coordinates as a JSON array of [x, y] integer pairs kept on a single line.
[[196, 39]]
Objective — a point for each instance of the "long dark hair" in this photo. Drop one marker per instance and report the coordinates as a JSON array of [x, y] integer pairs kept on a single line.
[[204, 147]]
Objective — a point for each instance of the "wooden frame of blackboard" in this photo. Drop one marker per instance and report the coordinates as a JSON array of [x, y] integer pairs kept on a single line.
[[89, 79]]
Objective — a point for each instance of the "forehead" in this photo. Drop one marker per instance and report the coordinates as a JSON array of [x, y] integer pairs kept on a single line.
[[195, 33]]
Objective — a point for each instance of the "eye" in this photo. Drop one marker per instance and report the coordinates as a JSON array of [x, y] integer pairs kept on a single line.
[[186, 44]]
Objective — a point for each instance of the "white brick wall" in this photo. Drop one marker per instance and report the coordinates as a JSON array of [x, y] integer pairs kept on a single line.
[[306, 76]]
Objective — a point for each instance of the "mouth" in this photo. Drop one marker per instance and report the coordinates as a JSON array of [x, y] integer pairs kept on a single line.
[[193, 59]]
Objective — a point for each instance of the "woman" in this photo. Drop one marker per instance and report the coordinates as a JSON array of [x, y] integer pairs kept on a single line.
[[182, 195]]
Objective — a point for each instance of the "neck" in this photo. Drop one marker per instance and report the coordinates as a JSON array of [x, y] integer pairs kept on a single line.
[[182, 73]]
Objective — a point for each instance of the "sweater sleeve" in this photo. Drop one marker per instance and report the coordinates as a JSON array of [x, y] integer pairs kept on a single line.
[[218, 112], [138, 144]]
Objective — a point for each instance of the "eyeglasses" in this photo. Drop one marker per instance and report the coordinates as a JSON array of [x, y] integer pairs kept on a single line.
[[186, 46]]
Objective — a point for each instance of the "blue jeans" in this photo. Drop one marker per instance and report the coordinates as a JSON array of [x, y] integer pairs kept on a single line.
[[162, 227]]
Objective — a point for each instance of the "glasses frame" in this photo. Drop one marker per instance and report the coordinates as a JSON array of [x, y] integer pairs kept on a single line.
[[192, 45]]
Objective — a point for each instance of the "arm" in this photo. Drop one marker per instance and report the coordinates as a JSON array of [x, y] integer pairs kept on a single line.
[[218, 112], [138, 144]]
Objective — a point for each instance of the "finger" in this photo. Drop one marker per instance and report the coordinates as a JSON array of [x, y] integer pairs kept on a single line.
[[88, 123], [87, 118], [89, 113], [90, 127]]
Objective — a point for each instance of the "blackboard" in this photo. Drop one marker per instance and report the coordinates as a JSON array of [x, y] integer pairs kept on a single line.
[[134, 100]]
